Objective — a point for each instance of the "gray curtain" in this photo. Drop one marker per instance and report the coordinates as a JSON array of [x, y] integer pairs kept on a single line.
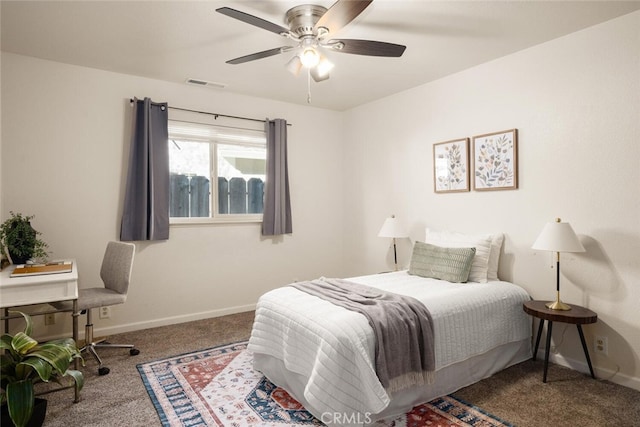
[[276, 218], [146, 203]]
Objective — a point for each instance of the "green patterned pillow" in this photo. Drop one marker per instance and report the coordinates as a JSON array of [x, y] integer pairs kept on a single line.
[[450, 264]]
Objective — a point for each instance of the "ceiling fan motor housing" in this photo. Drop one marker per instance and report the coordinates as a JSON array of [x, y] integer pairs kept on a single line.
[[302, 19]]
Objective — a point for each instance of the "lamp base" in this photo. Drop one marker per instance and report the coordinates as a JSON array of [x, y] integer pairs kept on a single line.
[[558, 305]]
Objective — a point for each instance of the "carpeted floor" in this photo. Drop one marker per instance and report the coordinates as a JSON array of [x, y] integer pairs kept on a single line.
[[516, 394]]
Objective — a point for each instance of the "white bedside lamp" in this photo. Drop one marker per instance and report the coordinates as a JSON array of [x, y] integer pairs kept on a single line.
[[558, 237], [392, 228]]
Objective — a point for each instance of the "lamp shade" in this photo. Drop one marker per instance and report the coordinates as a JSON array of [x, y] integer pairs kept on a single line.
[[558, 237], [392, 228]]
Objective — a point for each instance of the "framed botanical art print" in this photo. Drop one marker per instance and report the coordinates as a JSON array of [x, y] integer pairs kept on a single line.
[[495, 161], [451, 166]]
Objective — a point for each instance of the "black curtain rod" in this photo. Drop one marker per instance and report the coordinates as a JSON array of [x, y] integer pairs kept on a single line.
[[216, 115]]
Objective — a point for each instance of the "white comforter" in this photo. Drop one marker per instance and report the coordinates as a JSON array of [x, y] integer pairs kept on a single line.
[[334, 347]]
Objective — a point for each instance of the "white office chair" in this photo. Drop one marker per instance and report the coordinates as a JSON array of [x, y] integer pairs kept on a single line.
[[116, 275]]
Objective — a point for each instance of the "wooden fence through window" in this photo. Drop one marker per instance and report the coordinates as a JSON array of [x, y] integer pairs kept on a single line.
[[191, 196]]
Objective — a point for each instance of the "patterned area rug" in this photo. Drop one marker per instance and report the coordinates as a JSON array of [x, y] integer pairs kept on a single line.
[[218, 387]]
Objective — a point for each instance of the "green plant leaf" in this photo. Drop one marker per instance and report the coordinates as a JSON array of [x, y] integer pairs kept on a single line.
[[5, 342], [67, 343], [55, 355], [7, 368], [78, 378], [42, 368], [22, 343], [20, 400], [28, 329]]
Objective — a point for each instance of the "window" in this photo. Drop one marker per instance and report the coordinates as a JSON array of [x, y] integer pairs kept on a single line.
[[217, 173]]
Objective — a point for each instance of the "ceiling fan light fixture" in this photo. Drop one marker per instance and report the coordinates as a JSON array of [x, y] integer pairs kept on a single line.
[[317, 77], [309, 57], [323, 68], [294, 65]]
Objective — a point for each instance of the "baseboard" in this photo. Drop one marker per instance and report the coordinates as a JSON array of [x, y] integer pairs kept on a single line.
[[165, 321], [601, 374], [172, 320]]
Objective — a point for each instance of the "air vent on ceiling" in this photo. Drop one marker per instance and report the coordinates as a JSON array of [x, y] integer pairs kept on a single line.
[[197, 82]]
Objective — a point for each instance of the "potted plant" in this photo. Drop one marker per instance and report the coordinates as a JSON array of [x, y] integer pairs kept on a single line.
[[25, 362], [19, 240]]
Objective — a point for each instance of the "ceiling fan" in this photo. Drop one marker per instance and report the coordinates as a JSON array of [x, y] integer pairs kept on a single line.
[[312, 26]]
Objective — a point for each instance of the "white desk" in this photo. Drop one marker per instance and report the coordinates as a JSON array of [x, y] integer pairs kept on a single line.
[[40, 289]]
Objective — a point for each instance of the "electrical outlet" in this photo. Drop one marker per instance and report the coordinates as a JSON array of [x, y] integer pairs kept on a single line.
[[105, 312], [50, 319], [601, 345]]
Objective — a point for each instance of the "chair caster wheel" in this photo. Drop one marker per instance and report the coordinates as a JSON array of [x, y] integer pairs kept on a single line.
[[134, 352], [103, 371]]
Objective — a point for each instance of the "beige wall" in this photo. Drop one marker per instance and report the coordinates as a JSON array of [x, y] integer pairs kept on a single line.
[[576, 104], [64, 143]]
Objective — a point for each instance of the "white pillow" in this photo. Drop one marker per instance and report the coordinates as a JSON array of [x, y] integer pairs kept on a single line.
[[494, 256], [482, 243]]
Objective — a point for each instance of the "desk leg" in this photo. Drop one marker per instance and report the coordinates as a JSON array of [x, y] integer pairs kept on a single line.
[[546, 351], [535, 351], [6, 320], [76, 362], [586, 351]]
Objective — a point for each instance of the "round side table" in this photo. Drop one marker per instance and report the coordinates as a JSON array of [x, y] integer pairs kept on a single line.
[[577, 315]]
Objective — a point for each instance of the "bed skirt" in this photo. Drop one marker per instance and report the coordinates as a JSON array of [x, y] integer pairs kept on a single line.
[[447, 380]]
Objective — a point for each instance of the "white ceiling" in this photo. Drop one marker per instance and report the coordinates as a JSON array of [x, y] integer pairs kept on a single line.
[[177, 40]]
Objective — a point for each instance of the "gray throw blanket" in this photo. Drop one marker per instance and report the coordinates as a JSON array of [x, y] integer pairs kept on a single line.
[[402, 325]]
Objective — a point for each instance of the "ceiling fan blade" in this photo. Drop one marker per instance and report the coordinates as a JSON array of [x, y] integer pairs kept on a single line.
[[367, 47], [341, 13], [260, 55], [253, 20]]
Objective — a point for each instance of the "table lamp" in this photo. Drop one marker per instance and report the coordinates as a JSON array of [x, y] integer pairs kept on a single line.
[[558, 237], [392, 228]]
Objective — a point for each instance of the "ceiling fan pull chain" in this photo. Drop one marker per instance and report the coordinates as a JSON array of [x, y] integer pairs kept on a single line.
[[308, 86]]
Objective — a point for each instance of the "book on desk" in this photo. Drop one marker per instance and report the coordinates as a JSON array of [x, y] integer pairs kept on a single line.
[[24, 270]]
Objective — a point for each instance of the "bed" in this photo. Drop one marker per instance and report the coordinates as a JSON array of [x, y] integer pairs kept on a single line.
[[323, 354]]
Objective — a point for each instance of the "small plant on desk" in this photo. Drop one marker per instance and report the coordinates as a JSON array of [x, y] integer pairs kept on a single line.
[[26, 362], [20, 241]]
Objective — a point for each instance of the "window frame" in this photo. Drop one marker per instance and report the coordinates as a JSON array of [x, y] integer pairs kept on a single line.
[[215, 217]]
